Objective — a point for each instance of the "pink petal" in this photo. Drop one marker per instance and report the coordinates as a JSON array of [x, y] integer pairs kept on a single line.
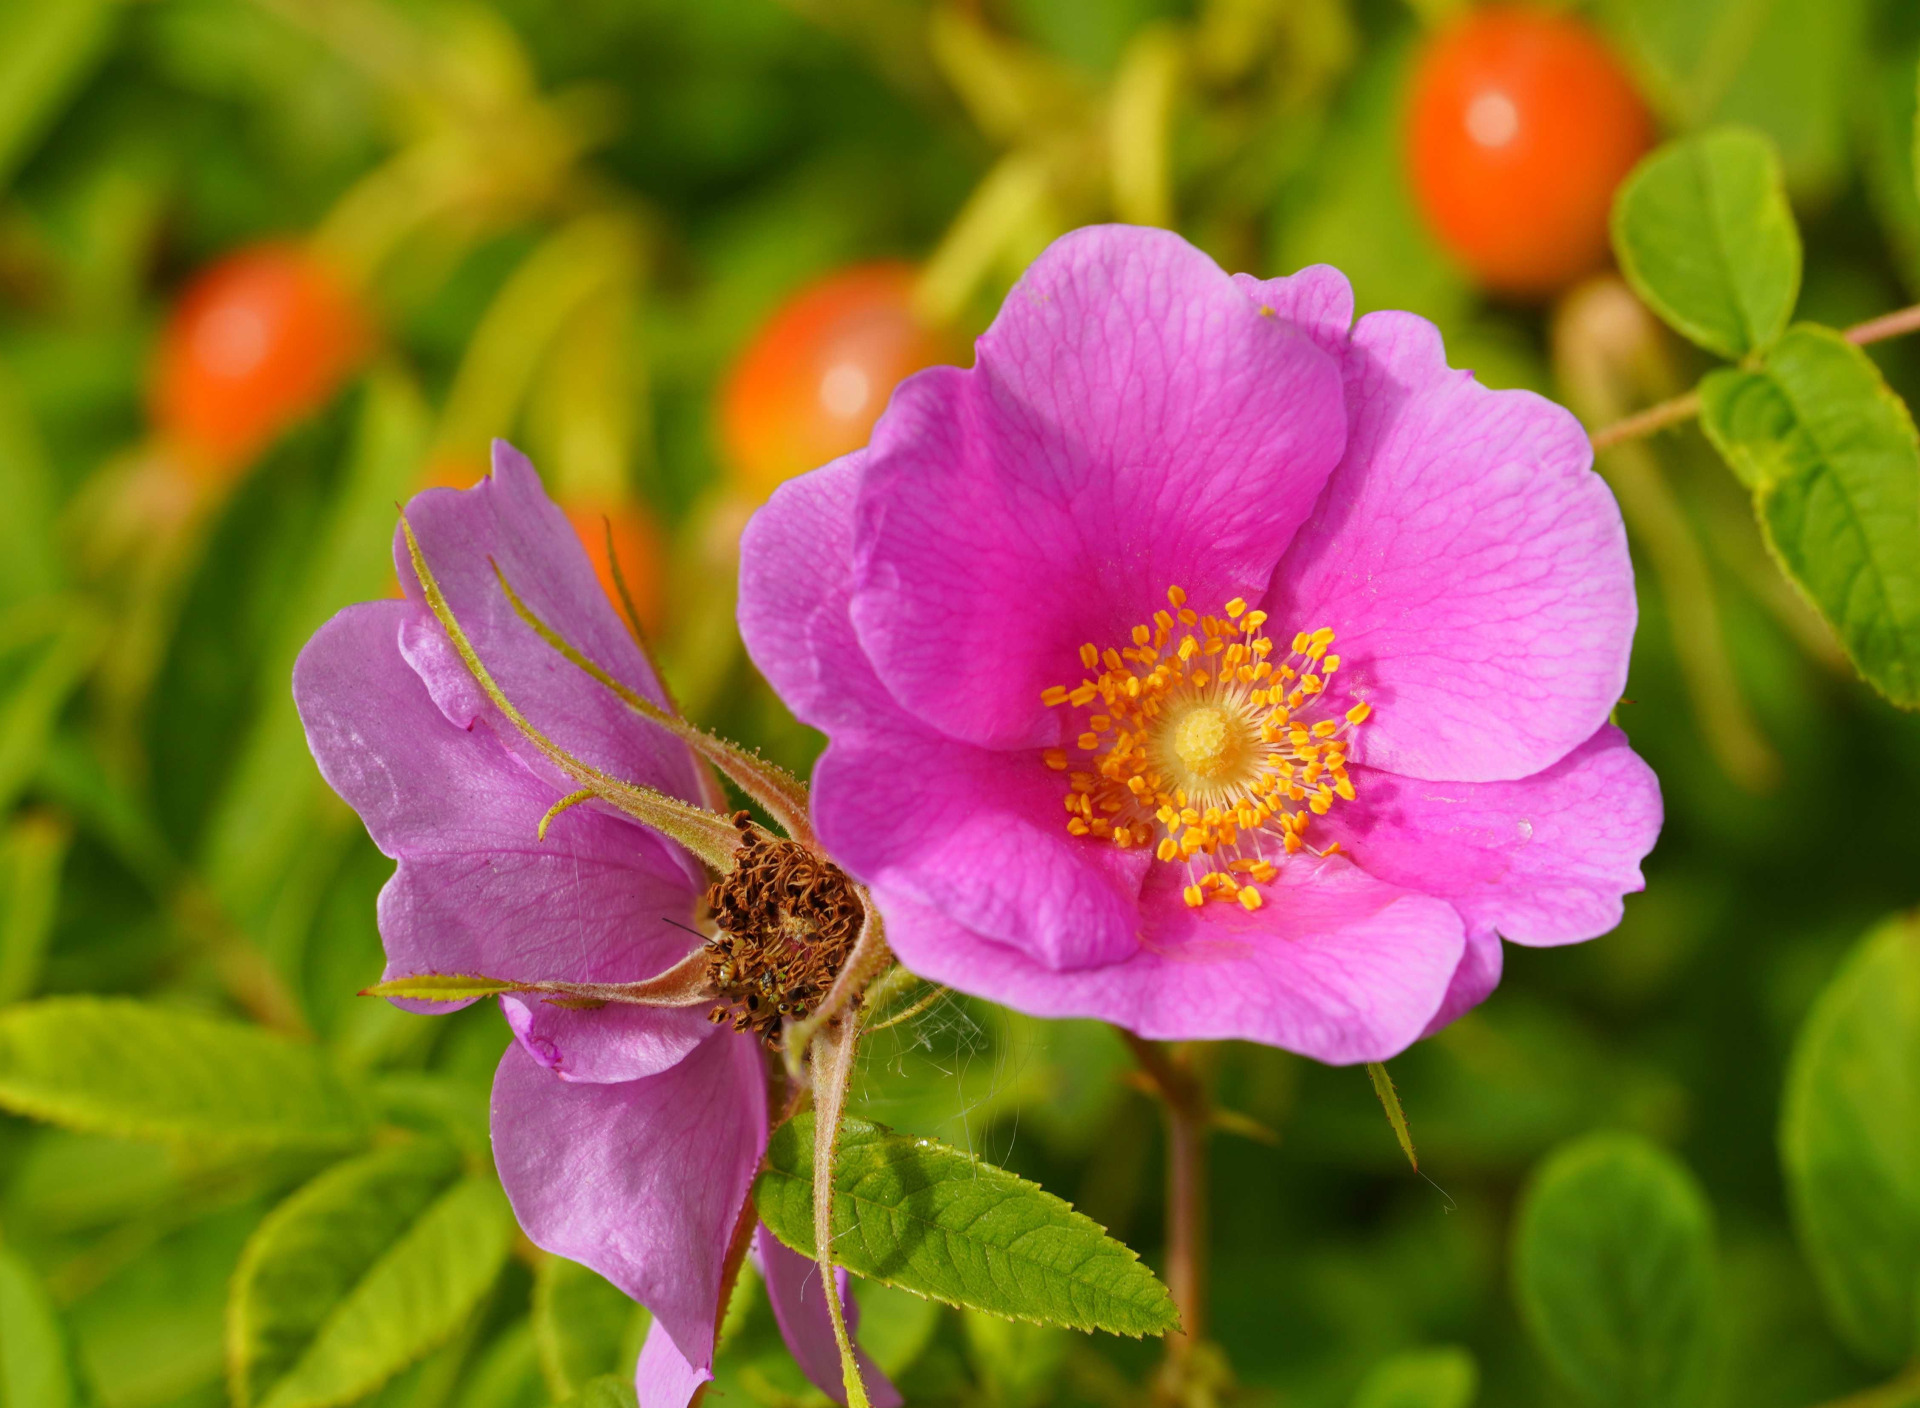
[[507, 519], [1472, 565], [793, 1289], [642, 1181], [796, 566], [663, 1378], [976, 833], [1473, 981], [1133, 423], [1318, 300], [1544, 860], [600, 900], [980, 836], [1336, 965]]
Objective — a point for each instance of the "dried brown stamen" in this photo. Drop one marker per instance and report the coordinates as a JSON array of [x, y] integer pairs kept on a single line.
[[788, 919]]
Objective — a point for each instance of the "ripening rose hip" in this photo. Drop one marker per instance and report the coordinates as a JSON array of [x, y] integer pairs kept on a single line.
[[1521, 123], [257, 341], [813, 380]]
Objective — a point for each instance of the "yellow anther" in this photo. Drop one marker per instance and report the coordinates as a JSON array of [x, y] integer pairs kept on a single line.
[[1188, 617], [1255, 621], [1358, 713], [1083, 694], [1329, 665], [1113, 660], [1088, 742], [1054, 696], [1299, 644], [1343, 789], [1177, 596], [1168, 848], [1056, 759], [1141, 635], [1078, 827], [1236, 606], [1325, 728], [1099, 723], [1089, 655], [1194, 896], [1249, 898]]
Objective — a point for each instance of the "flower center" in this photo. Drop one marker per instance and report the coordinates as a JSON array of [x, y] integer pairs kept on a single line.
[[787, 920], [1197, 741], [1207, 741]]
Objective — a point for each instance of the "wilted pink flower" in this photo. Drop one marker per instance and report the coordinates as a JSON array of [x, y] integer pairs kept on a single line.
[[626, 1137], [1207, 663]]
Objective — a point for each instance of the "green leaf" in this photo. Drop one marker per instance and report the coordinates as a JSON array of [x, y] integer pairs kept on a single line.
[[1018, 1364], [46, 50], [361, 1273], [442, 987], [29, 562], [31, 854], [1830, 455], [28, 715], [264, 818], [1705, 236], [583, 1325], [1614, 1273], [608, 1391], [35, 1368], [1850, 1141], [917, 1214], [115, 1066], [1421, 1378]]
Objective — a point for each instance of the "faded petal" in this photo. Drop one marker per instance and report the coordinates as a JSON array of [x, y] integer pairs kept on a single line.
[[663, 1378], [1472, 565], [507, 519], [793, 1289], [1133, 423], [475, 892], [1542, 860], [1336, 965], [643, 1181]]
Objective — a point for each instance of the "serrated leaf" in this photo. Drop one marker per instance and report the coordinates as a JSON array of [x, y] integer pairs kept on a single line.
[[1421, 1378], [1614, 1273], [583, 1325], [116, 1066], [361, 1273], [1831, 457], [917, 1214], [1706, 237], [442, 987], [35, 1368], [1850, 1143]]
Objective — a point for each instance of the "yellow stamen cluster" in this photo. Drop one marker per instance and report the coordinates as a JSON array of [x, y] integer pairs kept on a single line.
[[1195, 740]]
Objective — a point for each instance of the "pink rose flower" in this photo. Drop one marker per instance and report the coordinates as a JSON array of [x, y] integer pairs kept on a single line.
[[1203, 661], [627, 1137]]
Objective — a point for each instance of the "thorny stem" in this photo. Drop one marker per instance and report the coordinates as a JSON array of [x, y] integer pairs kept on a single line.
[[1682, 408], [1184, 1099]]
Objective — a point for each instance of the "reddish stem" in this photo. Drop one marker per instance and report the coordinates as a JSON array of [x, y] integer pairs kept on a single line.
[[1184, 1098]]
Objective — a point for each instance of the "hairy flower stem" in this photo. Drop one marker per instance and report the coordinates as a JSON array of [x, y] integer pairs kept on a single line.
[[831, 1053], [1183, 1096], [1684, 408]]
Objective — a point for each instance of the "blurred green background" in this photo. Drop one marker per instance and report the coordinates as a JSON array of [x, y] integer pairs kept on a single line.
[[570, 222]]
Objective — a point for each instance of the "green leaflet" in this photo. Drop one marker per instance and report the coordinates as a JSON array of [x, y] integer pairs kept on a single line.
[[583, 1326], [116, 1066], [1614, 1273], [1850, 1142], [1390, 1102], [916, 1214], [1705, 236], [361, 1273], [1830, 455], [32, 850], [1421, 1378], [47, 48], [35, 1371], [607, 1391]]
